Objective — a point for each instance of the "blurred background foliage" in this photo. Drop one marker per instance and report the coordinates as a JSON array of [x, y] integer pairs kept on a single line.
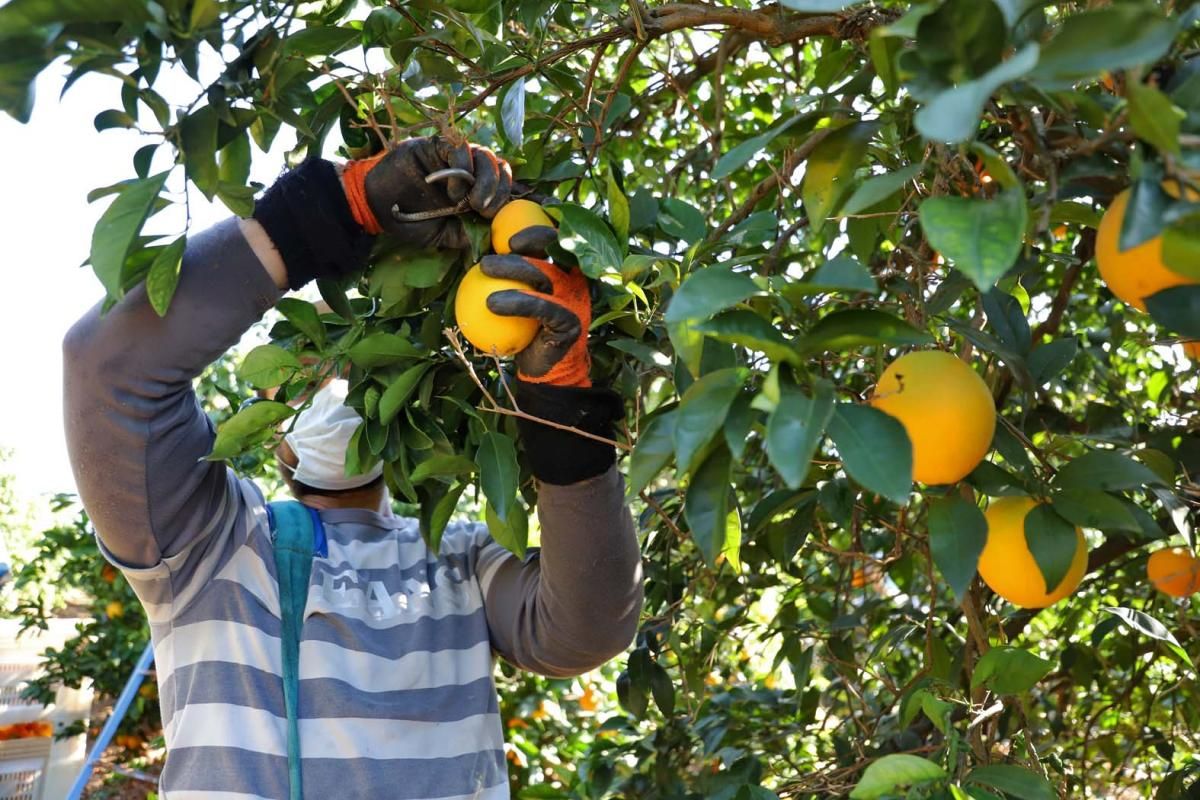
[[774, 201]]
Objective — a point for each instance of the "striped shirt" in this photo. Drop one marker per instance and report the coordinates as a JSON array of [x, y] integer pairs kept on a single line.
[[397, 698]]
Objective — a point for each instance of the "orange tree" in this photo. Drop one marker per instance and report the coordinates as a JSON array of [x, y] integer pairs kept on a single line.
[[775, 201]]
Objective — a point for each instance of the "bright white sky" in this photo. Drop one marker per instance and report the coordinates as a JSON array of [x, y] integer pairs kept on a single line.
[[49, 166]]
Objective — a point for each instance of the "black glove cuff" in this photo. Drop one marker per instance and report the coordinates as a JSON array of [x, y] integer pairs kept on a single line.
[[307, 216], [560, 457]]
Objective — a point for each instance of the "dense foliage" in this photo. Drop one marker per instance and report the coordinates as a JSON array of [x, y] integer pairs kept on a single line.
[[774, 200]]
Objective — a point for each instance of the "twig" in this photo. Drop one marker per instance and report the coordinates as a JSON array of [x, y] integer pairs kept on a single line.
[[496, 408]]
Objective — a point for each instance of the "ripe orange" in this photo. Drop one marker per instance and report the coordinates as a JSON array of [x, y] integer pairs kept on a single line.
[[491, 333], [1008, 566], [1174, 571], [516, 216], [115, 609], [1134, 274], [945, 407], [1192, 349]]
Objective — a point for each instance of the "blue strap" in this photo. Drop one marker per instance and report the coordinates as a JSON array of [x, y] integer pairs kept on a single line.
[[297, 535]]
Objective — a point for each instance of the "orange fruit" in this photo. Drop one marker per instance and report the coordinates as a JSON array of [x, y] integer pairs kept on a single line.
[[945, 407], [115, 609], [1192, 349], [1133, 274], [1174, 571], [491, 333], [1007, 565], [513, 217]]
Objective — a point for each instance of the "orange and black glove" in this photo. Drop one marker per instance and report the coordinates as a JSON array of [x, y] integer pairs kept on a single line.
[[553, 372], [324, 224], [401, 191]]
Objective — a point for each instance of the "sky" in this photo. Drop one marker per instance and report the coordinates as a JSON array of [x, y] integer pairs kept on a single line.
[[49, 166]]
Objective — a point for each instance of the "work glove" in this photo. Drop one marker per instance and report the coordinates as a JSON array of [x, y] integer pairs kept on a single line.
[[415, 191], [560, 300], [553, 372]]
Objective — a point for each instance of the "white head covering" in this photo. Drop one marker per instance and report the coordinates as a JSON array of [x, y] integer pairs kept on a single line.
[[320, 437]]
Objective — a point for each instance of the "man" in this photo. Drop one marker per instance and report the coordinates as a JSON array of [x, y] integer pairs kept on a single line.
[[396, 691]]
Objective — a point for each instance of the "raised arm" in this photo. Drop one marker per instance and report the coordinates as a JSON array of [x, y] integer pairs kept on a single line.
[[576, 603], [135, 432]]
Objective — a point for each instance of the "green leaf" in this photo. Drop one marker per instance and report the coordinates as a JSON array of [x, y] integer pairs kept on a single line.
[[879, 188], [163, 276], [885, 776], [1016, 782], [118, 227], [707, 291], [335, 297], [1104, 469], [440, 516], [980, 237], [1009, 670], [1154, 118], [706, 505], [198, 137], [1053, 542], [1089, 508], [957, 535], [618, 213], [953, 115], [1181, 246], [304, 316], [1143, 623], [398, 391], [325, 40], [234, 161], [653, 451], [749, 330], [442, 465], [737, 157], [662, 689], [1105, 40], [267, 365], [875, 450], [794, 430], [841, 274], [1178, 309], [381, 349], [590, 239], [498, 472], [512, 532], [681, 220], [19, 14], [113, 118], [829, 169], [204, 13], [1050, 359], [248, 427], [859, 327], [701, 414]]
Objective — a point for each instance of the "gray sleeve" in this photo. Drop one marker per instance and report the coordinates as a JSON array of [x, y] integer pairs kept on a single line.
[[574, 604], [135, 431]]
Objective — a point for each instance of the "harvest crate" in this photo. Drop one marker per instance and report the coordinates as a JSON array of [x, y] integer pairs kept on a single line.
[[40, 768]]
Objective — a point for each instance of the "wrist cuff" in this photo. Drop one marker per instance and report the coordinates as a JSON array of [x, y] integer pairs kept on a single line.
[[307, 216], [561, 457]]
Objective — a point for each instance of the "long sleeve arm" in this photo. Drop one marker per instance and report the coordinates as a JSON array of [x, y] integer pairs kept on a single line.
[[574, 604], [135, 431]]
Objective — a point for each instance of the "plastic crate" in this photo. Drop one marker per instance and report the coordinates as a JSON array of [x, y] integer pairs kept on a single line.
[[38, 768]]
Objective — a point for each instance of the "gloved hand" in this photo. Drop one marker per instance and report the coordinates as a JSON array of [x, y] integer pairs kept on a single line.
[[560, 300], [386, 188]]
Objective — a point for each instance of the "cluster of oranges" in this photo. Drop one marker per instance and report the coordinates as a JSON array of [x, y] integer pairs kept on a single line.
[[949, 415], [26, 730], [493, 333]]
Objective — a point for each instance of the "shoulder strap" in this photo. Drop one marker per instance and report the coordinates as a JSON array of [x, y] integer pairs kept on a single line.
[[296, 532]]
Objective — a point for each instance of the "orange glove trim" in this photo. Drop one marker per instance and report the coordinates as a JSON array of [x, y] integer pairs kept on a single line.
[[354, 177]]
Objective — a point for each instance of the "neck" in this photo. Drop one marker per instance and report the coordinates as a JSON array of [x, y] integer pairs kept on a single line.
[[371, 500]]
